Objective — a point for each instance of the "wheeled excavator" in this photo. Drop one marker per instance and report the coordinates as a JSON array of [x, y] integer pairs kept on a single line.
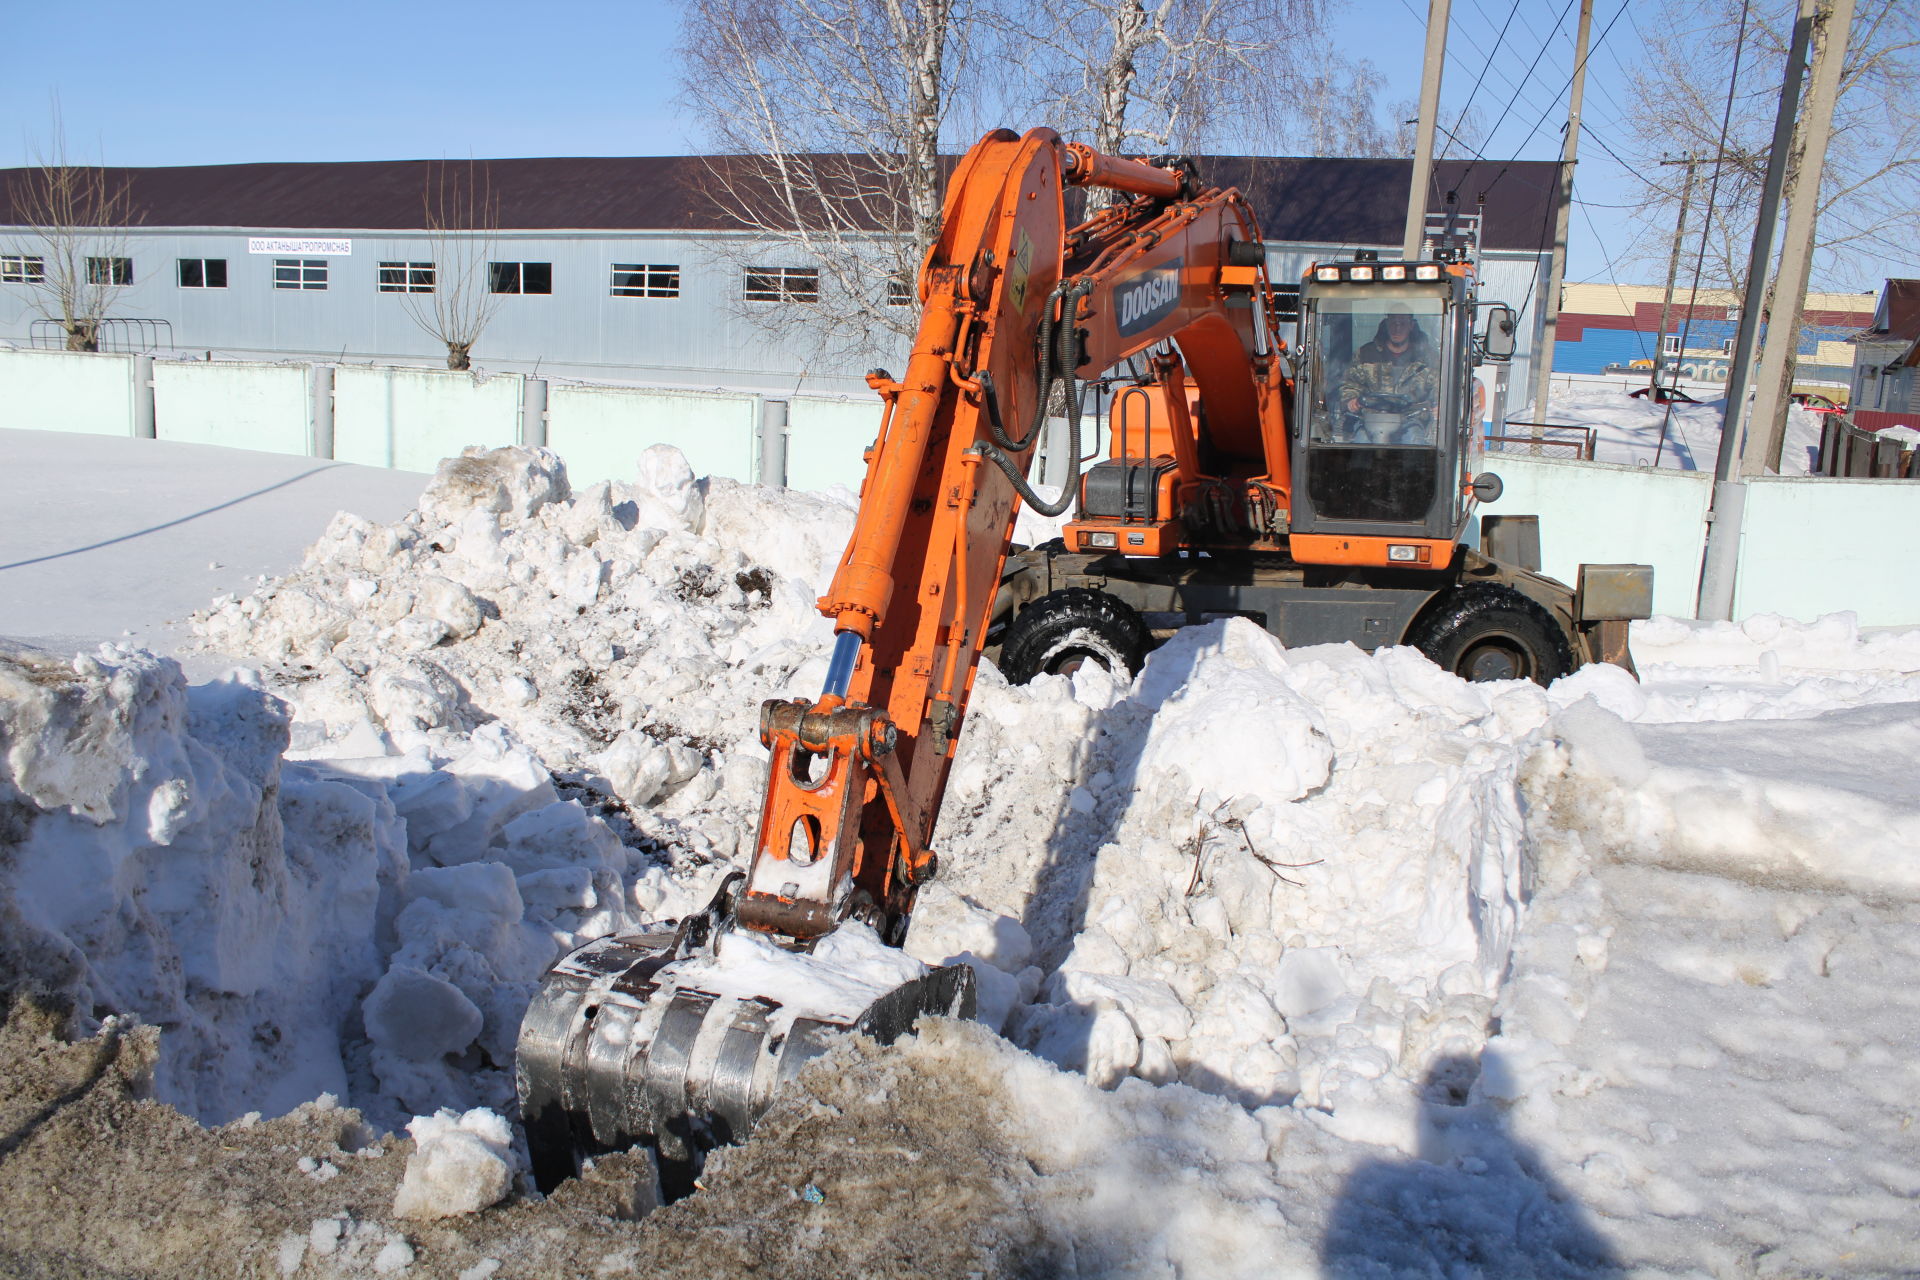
[[1302, 488]]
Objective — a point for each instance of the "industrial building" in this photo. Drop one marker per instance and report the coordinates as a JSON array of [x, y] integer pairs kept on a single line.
[[613, 269], [1607, 327]]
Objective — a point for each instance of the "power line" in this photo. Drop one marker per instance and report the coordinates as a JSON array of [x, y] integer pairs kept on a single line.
[[1591, 49], [1516, 93], [1706, 223], [1601, 40], [1612, 277], [1500, 39]]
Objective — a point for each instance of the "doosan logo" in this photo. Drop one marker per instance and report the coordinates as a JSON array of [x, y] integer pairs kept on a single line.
[[1146, 300]]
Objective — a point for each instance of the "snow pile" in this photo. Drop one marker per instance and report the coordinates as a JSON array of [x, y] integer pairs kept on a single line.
[[460, 1164], [163, 860], [846, 972], [1285, 877], [1318, 934]]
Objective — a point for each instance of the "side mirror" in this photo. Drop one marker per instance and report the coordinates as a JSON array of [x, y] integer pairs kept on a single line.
[[1497, 341]]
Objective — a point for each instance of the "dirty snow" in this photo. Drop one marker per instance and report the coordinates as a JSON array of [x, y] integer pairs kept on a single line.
[[1303, 959]]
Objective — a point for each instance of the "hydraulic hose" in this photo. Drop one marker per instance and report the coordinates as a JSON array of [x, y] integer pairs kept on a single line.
[[1059, 357]]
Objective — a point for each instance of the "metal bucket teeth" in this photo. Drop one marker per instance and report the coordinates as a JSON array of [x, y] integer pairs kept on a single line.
[[608, 1061]]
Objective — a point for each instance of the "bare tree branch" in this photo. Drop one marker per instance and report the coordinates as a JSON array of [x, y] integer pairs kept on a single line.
[[1239, 76], [827, 115], [462, 218], [76, 217], [1871, 178]]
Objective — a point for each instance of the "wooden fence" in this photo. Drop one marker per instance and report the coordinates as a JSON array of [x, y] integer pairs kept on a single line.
[[1846, 450]]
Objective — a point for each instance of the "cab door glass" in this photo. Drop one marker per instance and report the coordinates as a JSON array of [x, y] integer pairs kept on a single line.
[[1377, 371], [1373, 413]]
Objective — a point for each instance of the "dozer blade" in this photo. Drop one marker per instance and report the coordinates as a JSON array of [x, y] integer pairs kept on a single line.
[[612, 1056]]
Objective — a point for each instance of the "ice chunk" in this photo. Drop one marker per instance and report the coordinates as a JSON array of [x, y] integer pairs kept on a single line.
[[485, 887], [460, 1164], [667, 495], [1308, 979], [515, 481], [418, 1016], [945, 925]]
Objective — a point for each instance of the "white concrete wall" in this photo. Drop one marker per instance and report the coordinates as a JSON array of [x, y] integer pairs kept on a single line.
[[1810, 545], [1600, 513], [827, 440], [1813, 546], [602, 431], [85, 391], [241, 406], [386, 416]]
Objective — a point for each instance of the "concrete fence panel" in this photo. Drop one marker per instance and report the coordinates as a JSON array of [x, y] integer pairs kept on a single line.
[[240, 406], [412, 418], [1599, 513], [82, 391], [1810, 546], [827, 438], [602, 431]]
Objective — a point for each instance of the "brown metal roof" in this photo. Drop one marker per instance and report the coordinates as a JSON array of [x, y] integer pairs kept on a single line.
[[1901, 301], [1364, 202], [1337, 201]]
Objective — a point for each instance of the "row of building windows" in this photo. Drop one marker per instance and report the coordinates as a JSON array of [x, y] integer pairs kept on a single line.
[[626, 280], [20, 269]]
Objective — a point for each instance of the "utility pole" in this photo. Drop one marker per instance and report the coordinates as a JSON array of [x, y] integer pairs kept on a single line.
[[1729, 493], [1439, 13], [1767, 431], [1556, 266], [1673, 270]]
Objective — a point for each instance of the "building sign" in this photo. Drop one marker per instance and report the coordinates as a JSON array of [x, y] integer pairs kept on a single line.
[[317, 248]]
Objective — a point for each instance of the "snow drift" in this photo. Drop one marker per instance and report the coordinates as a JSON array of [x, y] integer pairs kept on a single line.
[[1307, 916]]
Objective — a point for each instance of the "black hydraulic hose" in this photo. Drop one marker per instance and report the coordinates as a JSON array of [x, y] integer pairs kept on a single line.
[[1059, 357]]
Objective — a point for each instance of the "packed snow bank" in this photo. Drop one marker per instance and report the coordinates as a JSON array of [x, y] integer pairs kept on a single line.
[[1291, 910], [162, 860]]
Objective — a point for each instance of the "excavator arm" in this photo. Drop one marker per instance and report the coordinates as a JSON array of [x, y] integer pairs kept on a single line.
[[1016, 307]]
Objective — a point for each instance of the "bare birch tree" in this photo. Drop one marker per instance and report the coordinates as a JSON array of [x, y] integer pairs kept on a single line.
[[827, 117], [1870, 189], [453, 298], [75, 263], [1236, 76]]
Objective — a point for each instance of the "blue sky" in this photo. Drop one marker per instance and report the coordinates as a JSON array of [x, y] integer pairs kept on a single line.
[[212, 81]]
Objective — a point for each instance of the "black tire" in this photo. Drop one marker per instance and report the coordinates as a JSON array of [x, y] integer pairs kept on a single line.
[[1058, 632], [1492, 632]]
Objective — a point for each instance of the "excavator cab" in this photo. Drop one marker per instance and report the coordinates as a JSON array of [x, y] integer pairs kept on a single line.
[[1382, 423]]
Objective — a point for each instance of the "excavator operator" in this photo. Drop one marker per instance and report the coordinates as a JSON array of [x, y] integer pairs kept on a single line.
[[1395, 376]]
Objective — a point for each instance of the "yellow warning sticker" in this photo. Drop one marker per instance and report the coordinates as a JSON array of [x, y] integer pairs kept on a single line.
[[1019, 269]]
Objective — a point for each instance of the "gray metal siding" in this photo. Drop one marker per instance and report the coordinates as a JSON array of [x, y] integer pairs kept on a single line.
[[580, 330]]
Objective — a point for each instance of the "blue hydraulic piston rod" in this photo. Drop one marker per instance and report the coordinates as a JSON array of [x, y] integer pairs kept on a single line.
[[846, 651]]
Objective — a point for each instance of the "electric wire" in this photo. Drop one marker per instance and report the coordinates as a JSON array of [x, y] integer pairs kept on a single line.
[[1460, 120], [1706, 224]]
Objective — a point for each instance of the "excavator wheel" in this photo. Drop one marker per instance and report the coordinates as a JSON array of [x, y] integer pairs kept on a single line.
[[1058, 632], [1492, 632]]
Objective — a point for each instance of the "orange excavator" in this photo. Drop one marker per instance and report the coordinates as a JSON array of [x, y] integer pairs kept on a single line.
[[1312, 491]]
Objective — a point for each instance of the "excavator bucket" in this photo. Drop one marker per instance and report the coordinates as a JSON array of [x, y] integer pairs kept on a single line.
[[615, 1053]]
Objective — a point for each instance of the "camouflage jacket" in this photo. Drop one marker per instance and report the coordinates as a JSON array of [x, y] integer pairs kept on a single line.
[[1378, 373]]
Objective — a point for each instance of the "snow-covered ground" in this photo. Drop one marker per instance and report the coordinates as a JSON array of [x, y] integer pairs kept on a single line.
[[1304, 961], [108, 538], [1643, 434]]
